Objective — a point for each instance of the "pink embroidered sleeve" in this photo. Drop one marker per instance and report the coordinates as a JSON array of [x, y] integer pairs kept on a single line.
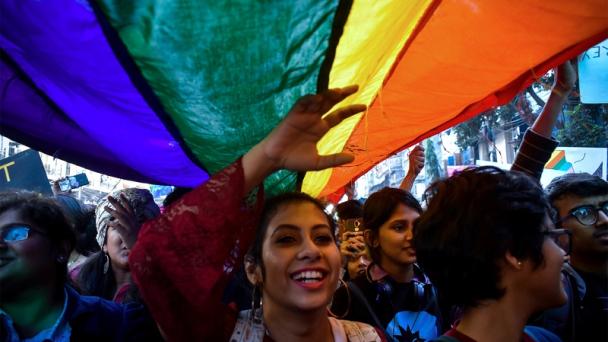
[[183, 259]]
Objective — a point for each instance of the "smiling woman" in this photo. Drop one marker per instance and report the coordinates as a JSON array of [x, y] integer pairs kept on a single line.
[[294, 254], [184, 259], [294, 261]]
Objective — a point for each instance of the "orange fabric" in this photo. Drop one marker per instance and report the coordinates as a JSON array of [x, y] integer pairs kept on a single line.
[[470, 56]]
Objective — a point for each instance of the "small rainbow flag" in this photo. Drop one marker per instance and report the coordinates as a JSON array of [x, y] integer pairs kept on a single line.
[[558, 161]]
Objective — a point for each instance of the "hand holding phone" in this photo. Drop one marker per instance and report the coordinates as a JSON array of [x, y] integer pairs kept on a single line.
[[353, 244], [72, 182]]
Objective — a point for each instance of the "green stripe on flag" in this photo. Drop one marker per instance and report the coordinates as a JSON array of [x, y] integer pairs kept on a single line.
[[226, 72]]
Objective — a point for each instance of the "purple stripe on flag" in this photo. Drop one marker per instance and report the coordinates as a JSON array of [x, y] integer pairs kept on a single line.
[[29, 118], [61, 48]]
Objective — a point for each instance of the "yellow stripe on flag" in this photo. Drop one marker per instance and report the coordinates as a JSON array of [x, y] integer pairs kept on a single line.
[[374, 34]]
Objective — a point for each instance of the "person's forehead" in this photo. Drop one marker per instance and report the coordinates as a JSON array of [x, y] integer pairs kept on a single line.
[[297, 214], [11, 216], [568, 202], [403, 210]]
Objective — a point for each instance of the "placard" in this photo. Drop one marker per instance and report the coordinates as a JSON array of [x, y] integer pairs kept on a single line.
[[24, 171]]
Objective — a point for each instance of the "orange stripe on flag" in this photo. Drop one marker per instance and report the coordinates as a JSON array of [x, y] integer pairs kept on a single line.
[[469, 57]]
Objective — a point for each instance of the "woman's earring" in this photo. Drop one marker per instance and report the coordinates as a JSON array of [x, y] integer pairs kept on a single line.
[[255, 316], [106, 265]]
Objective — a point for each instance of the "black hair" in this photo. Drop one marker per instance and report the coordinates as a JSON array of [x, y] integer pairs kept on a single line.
[[83, 223], [92, 280], [271, 207], [47, 215], [350, 209], [174, 195], [379, 207], [473, 219], [576, 184]]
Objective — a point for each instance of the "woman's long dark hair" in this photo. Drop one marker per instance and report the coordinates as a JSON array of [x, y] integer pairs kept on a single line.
[[91, 279], [93, 282]]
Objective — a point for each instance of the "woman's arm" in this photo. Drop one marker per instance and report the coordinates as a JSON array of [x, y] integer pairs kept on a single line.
[[537, 145], [416, 163]]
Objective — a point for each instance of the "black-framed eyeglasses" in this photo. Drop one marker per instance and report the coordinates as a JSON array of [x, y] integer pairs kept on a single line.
[[17, 232], [587, 215], [562, 238]]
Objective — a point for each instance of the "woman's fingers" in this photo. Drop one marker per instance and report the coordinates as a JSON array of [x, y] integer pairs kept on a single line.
[[333, 160], [123, 213], [321, 103], [308, 104], [125, 204], [121, 208], [121, 205], [118, 206], [337, 116], [119, 217], [334, 96]]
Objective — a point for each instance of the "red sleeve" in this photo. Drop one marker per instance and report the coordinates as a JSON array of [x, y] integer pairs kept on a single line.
[[183, 259]]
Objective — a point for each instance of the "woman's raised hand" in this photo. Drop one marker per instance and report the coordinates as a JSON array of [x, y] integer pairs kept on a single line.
[[125, 221], [293, 143]]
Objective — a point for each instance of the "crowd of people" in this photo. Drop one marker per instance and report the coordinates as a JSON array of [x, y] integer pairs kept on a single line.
[[488, 256]]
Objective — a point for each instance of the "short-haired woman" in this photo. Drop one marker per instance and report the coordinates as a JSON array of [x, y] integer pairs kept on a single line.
[[488, 243]]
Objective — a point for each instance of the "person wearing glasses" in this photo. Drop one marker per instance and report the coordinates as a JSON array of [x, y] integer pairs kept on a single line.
[[581, 202], [36, 302], [489, 245]]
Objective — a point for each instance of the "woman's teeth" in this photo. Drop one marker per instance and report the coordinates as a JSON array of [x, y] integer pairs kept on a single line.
[[308, 276]]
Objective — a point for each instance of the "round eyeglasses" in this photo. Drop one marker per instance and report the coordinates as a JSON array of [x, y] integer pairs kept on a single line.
[[17, 232], [587, 215], [562, 238]]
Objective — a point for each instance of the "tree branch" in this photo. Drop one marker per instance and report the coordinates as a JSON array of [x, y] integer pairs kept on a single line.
[[536, 98]]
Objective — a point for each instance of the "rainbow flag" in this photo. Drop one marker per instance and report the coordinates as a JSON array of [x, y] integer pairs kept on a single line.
[[168, 92], [558, 161]]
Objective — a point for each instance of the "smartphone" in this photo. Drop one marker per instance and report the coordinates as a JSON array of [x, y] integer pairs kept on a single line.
[[352, 225], [73, 182]]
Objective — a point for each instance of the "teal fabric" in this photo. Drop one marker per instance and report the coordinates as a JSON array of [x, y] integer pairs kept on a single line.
[[226, 71]]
